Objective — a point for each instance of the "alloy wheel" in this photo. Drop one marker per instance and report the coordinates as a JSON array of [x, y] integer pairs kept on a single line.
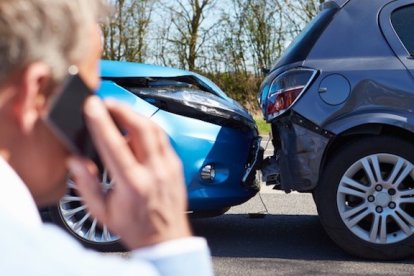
[[76, 216], [375, 198]]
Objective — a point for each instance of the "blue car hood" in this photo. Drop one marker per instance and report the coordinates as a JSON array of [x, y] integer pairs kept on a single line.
[[121, 69], [130, 69], [118, 71]]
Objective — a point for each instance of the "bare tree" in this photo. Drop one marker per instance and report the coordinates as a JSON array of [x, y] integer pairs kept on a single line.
[[263, 24], [252, 35], [190, 35], [298, 13], [125, 35], [229, 40], [230, 49]]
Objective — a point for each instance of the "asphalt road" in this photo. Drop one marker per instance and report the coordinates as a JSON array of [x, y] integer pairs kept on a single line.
[[288, 240]]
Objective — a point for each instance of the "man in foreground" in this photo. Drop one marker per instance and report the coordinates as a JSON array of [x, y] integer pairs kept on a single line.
[[40, 40]]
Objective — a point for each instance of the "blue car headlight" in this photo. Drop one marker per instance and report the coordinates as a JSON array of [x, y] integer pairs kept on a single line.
[[198, 104]]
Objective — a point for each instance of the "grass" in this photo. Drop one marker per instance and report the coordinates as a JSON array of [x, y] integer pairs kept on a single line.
[[264, 128]]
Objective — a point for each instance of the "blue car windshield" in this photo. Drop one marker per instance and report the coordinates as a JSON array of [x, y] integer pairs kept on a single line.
[[300, 47]]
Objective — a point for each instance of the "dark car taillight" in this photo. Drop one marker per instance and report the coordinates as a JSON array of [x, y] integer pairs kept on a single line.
[[285, 90]]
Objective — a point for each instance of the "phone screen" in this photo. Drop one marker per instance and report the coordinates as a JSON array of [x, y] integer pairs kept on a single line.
[[65, 117]]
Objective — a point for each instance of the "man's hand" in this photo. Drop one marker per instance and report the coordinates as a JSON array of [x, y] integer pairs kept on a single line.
[[148, 202]]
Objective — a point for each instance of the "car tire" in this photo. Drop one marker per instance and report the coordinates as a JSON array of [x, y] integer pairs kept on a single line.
[[71, 214], [365, 198]]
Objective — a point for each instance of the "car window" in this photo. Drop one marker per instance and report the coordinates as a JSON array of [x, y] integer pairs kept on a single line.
[[403, 22]]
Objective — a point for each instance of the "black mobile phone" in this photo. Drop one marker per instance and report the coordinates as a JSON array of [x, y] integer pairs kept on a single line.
[[66, 119]]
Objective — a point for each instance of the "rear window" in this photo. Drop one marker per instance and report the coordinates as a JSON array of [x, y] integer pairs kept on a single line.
[[299, 49], [403, 22]]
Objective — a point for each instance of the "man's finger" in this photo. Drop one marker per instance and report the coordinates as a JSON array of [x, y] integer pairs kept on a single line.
[[89, 187], [112, 146]]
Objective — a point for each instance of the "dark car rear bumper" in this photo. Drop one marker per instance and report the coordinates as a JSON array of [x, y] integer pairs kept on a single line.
[[301, 148]]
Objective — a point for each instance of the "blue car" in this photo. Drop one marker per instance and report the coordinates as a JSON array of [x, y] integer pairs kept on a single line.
[[215, 137]]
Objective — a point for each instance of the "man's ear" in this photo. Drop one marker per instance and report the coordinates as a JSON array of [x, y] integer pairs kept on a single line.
[[31, 97]]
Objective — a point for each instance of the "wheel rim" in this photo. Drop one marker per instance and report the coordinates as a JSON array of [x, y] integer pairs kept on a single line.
[[76, 216], [375, 198]]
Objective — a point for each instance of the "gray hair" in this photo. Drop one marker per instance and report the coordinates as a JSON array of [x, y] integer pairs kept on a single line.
[[51, 31]]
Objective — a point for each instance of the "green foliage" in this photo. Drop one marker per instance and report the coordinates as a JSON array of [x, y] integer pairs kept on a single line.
[[264, 128], [243, 87]]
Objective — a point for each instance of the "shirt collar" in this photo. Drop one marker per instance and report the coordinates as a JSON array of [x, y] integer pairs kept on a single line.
[[15, 198]]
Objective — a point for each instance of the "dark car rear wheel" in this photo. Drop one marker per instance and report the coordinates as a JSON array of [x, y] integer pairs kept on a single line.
[[365, 198], [72, 215]]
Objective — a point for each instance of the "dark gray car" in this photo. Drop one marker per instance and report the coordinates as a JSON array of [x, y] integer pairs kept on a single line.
[[341, 104]]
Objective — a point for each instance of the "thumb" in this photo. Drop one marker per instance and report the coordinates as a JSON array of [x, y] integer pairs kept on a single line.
[[84, 173]]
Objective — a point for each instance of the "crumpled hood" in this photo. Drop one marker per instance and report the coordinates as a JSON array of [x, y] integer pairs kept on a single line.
[[121, 69], [123, 73]]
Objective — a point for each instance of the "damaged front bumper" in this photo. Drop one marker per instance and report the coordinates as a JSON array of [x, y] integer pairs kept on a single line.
[[299, 149], [255, 160]]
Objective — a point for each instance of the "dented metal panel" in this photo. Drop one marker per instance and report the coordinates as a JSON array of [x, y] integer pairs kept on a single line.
[[302, 149]]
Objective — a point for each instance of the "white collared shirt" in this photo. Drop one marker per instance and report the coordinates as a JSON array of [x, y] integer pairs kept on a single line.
[[29, 247]]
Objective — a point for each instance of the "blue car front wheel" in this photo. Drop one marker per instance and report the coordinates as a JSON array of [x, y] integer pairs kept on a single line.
[[72, 215]]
